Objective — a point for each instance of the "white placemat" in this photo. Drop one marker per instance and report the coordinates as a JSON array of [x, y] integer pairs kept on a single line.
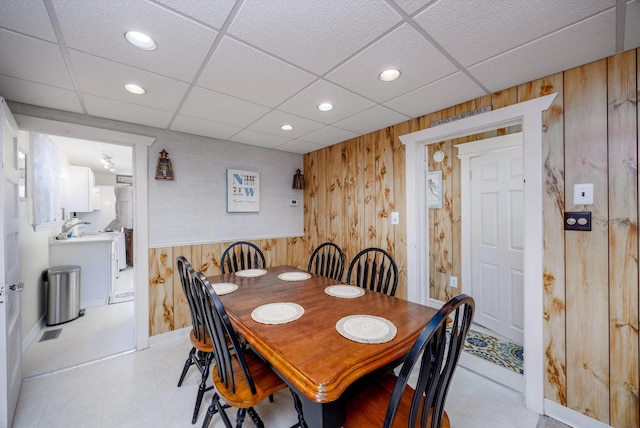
[[366, 329], [224, 288], [294, 276], [277, 313], [251, 273], [344, 291]]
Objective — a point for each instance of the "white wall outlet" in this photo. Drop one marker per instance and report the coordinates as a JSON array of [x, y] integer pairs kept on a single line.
[[395, 217], [583, 194], [293, 202], [453, 281]]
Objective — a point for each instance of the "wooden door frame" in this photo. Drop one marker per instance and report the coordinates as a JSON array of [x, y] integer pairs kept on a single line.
[[529, 115]]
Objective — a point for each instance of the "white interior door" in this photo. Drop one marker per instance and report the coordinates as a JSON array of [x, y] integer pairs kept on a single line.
[[10, 285], [497, 241]]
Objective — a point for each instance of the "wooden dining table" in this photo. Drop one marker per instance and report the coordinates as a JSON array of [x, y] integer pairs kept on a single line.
[[309, 353]]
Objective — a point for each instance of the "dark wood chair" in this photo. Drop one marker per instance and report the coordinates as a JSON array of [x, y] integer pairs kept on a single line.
[[201, 353], [327, 260], [374, 269], [241, 378], [242, 255], [435, 353]]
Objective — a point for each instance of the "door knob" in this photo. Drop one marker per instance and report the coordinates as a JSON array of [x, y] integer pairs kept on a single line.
[[18, 288]]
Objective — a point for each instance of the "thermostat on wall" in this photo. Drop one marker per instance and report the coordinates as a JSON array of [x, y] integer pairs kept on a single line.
[[293, 202]]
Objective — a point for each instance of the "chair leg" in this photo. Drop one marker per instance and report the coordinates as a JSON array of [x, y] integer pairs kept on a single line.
[[187, 364], [298, 406], [203, 385], [240, 417], [216, 407], [254, 417]]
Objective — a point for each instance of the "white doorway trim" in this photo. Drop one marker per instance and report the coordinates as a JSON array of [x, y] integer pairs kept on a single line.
[[139, 143], [529, 114]]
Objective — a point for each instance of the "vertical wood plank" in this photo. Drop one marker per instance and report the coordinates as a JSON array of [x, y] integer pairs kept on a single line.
[[623, 239], [181, 312], [210, 258], [334, 198], [553, 207], [384, 191], [586, 269], [160, 291], [368, 166], [352, 201]]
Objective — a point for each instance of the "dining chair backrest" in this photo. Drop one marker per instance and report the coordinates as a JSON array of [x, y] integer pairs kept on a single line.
[[242, 255], [226, 344], [187, 273], [437, 351], [327, 260], [374, 269]]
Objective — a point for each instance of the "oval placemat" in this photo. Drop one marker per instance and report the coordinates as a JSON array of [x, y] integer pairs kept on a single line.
[[277, 313], [344, 291], [294, 276], [366, 329], [250, 273], [224, 288]]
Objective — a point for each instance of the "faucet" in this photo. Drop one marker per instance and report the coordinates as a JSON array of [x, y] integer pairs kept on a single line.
[[66, 226]]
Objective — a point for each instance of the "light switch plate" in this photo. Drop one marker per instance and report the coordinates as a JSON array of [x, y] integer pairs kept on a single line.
[[583, 194], [395, 218]]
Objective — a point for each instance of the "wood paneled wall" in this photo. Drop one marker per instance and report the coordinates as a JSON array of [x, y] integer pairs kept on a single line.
[[168, 308], [590, 135], [590, 279]]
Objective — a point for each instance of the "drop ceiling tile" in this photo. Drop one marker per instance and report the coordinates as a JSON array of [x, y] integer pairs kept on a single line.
[[444, 93], [106, 79], [197, 126], [507, 70], [27, 17], [37, 94], [632, 25], [271, 122], [202, 10], [97, 27], [403, 49], [32, 59], [499, 26], [375, 118], [126, 112], [260, 139], [298, 146], [306, 102], [244, 72], [328, 136], [221, 108], [312, 34]]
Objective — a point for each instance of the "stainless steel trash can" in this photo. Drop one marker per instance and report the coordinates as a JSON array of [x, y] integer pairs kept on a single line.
[[63, 294]]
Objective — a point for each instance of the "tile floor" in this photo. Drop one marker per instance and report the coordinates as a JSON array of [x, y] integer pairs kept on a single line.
[[138, 389]]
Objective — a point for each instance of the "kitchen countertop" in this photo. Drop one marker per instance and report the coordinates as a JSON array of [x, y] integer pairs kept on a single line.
[[84, 238]]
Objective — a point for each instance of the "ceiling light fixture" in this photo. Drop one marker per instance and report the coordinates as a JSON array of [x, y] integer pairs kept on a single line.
[[140, 40], [287, 127], [325, 107], [135, 89], [389, 75]]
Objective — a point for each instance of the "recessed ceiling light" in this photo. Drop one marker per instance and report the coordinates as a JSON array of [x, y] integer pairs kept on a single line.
[[286, 127], [140, 40], [325, 107], [389, 75], [135, 89]]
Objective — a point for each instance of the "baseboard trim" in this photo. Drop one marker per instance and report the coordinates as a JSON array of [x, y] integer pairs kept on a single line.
[[570, 417], [33, 333]]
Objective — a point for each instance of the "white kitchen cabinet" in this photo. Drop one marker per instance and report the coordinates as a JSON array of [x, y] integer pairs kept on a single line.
[[82, 192], [96, 256]]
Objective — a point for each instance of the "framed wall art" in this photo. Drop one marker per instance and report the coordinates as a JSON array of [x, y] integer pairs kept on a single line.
[[434, 189], [243, 191]]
